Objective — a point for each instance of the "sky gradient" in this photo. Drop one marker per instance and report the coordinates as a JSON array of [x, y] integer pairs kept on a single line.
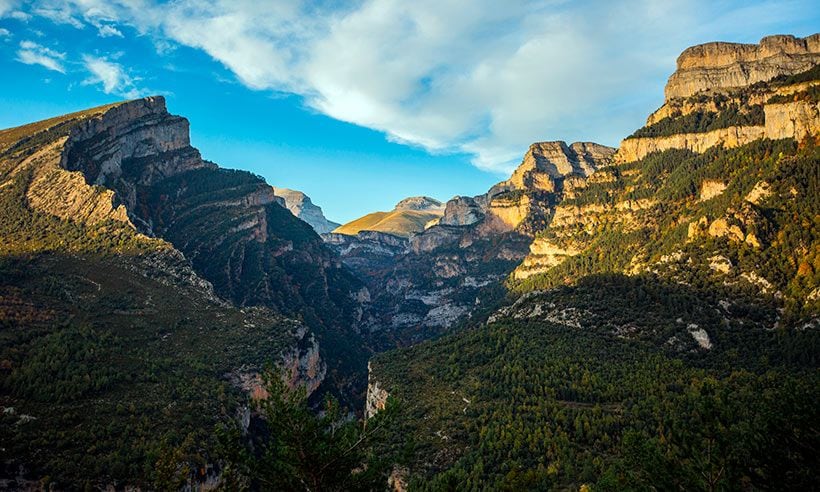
[[360, 104]]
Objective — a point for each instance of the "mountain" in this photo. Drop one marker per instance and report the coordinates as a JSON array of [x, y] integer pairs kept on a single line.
[[302, 207], [662, 330], [639, 318], [428, 283], [409, 216], [142, 291]]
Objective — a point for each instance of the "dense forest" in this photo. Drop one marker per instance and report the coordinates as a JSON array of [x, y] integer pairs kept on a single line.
[[612, 399]]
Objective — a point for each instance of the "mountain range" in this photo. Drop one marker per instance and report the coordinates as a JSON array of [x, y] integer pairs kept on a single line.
[[644, 317]]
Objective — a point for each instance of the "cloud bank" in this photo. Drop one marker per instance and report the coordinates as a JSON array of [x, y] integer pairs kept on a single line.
[[480, 76]]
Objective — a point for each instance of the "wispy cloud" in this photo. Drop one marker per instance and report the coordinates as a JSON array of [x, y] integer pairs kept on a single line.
[[450, 75], [112, 76], [60, 14], [4, 33], [32, 53]]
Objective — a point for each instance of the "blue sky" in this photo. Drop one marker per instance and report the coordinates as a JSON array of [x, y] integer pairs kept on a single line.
[[363, 103]]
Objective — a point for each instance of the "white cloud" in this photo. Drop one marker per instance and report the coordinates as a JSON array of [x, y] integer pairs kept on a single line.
[[475, 76], [32, 53], [4, 33], [107, 31], [19, 15], [62, 14], [113, 77]]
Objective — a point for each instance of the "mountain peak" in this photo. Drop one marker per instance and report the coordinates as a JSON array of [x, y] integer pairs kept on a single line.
[[301, 206], [419, 203], [546, 161]]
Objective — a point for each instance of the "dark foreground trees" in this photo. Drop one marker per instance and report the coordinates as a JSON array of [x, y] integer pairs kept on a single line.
[[293, 447]]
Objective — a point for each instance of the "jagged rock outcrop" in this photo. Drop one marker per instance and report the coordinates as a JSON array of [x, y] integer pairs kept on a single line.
[[301, 206], [743, 225], [719, 66], [545, 161], [461, 211], [711, 188], [376, 396]]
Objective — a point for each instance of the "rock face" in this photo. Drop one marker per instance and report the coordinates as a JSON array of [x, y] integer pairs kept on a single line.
[[461, 211], [635, 149], [376, 396], [302, 207], [798, 120], [367, 250], [304, 366], [545, 161], [66, 194], [788, 112], [543, 255], [718, 66], [134, 144]]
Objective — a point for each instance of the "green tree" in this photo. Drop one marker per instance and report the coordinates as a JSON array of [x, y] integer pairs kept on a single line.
[[301, 449]]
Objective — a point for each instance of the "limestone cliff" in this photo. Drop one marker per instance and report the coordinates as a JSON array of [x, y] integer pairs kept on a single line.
[[775, 109], [797, 119], [546, 161], [635, 149], [301, 206], [133, 144], [719, 66]]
